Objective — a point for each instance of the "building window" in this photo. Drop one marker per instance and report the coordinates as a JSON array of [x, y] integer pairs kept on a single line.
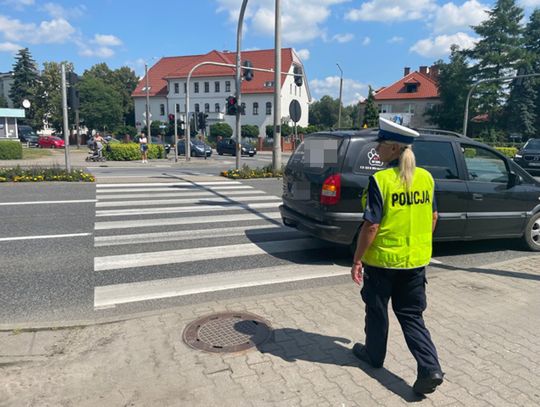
[[162, 109], [429, 106], [206, 87], [243, 108], [385, 108], [177, 107], [176, 88], [409, 108], [227, 86], [185, 87], [216, 87], [197, 108], [268, 108], [411, 87], [207, 108], [196, 87], [216, 108], [255, 108], [269, 84]]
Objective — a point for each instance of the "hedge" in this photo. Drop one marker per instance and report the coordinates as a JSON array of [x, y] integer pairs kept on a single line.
[[247, 172], [507, 151], [10, 150], [132, 152], [18, 174]]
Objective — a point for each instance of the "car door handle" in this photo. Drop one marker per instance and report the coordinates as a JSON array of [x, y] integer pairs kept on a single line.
[[478, 197]]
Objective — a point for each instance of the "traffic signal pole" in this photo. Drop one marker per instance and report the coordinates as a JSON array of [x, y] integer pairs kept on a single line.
[[65, 113], [276, 156], [238, 85]]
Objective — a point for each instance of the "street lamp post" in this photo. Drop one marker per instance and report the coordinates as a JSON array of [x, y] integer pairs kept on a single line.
[[65, 114], [147, 89], [239, 84], [340, 94]]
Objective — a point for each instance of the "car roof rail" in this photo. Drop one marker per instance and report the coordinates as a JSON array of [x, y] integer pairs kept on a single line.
[[440, 132]]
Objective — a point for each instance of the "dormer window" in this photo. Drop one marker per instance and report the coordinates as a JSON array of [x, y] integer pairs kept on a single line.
[[411, 87]]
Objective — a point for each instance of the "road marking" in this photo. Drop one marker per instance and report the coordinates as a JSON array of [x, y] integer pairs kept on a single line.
[[7, 239], [167, 194], [111, 295], [184, 209], [138, 223], [179, 189], [201, 200], [181, 235], [435, 261], [124, 261], [48, 202], [168, 184]]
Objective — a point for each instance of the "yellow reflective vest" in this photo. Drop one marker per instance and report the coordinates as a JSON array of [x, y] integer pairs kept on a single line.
[[404, 237]]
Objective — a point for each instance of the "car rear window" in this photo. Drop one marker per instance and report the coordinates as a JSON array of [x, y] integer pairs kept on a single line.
[[317, 153], [437, 157]]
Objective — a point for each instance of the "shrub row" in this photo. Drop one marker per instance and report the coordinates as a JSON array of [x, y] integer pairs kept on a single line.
[[507, 151], [10, 150], [132, 152], [35, 174], [246, 172]]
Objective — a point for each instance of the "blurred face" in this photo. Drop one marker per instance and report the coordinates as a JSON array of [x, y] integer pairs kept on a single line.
[[387, 151]]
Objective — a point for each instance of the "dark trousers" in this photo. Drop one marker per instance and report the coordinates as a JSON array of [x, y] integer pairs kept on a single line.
[[407, 290]]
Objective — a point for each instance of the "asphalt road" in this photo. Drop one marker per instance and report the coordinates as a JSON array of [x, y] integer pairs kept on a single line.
[[59, 279]]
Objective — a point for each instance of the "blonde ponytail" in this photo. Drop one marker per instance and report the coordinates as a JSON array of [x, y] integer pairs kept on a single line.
[[407, 165]]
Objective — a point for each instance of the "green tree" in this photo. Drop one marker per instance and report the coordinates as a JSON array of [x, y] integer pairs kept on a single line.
[[324, 112], [25, 78], [3, 101], [497, 53], [532, 47], [101, 103], [250, 130], [220, 130], [454, 84], [371, 113]]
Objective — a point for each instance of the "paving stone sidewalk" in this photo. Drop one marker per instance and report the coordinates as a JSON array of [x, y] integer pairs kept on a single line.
[[484, 321]]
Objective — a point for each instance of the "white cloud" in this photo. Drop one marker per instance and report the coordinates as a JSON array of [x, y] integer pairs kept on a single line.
[[107, 40], [440, 45], [100, 52], [342, 38], [391, 10], [450, 18], [301, 20], [56, 10], [9, 47], [529, 3], [303, 54], [366, 41], [395, 40], [353, 91], [47, 32], [17, 4]]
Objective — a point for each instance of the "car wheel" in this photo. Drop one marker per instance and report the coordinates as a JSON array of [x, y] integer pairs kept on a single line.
[[220, 153], [53, 146], [531, 237], [251, 155]]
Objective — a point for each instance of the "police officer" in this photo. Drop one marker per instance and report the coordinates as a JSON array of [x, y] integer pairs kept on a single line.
[[394, 247]]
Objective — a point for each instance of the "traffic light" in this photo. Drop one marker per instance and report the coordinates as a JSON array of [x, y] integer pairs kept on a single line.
[[171, 119], [298, 79], [248, 72], [231, 106], [202, 120], [73, 92]]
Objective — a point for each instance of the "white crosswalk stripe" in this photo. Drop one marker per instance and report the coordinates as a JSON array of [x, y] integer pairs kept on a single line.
[[182, 224]]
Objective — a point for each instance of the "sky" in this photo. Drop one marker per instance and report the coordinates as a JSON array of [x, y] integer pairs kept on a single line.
[[372, 41]]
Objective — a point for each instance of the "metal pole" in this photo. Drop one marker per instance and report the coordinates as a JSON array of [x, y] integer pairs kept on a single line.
[[66, 124], [176, 133], [340, 93], [78, 127], [239, 85], [276, 156], [148, 121], [474, 85]]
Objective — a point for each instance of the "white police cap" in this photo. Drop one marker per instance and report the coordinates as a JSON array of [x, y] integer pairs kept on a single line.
[[388, 130]]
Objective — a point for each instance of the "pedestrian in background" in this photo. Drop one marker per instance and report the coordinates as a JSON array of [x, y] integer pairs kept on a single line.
[[143, 144], [394, 247]]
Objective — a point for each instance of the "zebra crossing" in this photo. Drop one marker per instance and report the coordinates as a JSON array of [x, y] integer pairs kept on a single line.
[[156, 241]]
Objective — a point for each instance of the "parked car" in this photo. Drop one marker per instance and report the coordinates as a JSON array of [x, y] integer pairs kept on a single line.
[[528, 157], [27, 135], [50, 142], [158, 140], [481, 194], [198, 148], [228, 146]]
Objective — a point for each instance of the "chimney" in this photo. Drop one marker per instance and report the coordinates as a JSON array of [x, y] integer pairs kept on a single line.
[[434, 72], [406, 71], [423, 69]]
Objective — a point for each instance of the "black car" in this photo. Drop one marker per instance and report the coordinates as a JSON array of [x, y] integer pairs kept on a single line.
[[198, 148], [529, 155], [228, 146], [481, 194], [27, 135]]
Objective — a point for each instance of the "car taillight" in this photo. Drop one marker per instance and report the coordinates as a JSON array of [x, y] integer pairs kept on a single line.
[[331, 190]]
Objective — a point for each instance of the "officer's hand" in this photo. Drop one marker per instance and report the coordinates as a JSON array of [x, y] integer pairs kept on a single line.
[[357, 273]]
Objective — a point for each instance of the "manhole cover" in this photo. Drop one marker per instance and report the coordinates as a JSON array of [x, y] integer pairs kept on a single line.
[[227, 332]]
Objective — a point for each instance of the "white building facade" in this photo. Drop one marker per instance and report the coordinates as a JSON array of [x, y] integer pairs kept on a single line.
[[210, 88]]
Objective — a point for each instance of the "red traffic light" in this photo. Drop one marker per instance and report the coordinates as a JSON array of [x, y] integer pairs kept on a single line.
[[171, 117]]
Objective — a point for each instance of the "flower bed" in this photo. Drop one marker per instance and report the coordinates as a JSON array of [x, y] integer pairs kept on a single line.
[[18, 174], [246, 172]]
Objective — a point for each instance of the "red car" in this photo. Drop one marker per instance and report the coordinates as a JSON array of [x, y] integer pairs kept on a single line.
[[50, 142]]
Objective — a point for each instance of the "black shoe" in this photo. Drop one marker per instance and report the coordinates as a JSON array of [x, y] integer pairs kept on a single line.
[[360, 352], [428, 384]]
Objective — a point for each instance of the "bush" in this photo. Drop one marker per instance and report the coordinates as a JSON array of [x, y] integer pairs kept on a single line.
[[10, 150], [247, 172], [250, 131], [132, 152], [507, 151], [36, 174]]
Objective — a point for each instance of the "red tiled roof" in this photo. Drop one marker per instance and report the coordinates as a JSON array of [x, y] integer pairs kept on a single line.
[[179, 67], [426, 88]]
